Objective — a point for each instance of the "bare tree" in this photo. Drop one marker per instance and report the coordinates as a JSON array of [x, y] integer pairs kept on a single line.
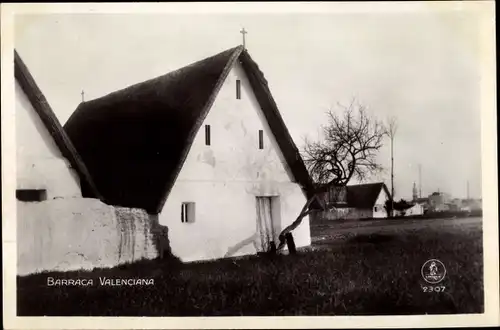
[[351, 141]]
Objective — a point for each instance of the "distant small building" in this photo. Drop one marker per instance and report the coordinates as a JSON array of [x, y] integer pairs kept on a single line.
[[456, 203], [439, 202], [422, 200], [363, 201], [472, 204]]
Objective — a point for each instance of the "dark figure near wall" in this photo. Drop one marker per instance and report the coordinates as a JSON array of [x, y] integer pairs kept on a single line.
[[290, 243], [272, 249]]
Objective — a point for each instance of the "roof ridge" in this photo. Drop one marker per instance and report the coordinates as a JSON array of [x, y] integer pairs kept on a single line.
[[172, 73]]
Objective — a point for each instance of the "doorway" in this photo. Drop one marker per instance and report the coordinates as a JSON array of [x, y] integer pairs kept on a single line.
[[266, 222]]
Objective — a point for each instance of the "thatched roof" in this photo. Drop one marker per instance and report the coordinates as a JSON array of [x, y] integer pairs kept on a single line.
[[49, 119], [135, 141], [360, 196], [363, 196]]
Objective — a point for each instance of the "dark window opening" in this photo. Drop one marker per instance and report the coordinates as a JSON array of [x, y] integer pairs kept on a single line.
[[238, 89], [207, 135], [261, 139], [31, 195], [187, 212]]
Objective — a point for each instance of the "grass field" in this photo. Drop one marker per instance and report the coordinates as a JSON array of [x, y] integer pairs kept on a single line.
[[369, 272]]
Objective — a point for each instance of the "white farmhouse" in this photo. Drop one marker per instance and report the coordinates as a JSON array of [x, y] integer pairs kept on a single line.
[[48, 166], [58, 229], [360, 201], [204, 150]]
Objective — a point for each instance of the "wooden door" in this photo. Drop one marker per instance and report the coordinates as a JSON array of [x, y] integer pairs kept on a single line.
[[265, 227]]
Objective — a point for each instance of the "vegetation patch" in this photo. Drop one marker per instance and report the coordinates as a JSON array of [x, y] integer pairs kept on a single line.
[[373, 274]]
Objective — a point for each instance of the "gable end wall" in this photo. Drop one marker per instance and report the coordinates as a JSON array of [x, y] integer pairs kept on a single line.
[[225, 178]]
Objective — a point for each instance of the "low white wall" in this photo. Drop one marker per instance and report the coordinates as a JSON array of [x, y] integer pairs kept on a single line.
[[343, 214], [415, 210], [80, 233]]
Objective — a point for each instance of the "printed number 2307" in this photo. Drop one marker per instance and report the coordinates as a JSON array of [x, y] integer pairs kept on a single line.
[[433, 288]]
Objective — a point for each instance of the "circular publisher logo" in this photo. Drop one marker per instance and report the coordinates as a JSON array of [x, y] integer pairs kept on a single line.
[[433, 271]]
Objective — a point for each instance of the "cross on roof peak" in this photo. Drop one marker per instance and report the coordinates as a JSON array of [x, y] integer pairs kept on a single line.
[[243, 32]]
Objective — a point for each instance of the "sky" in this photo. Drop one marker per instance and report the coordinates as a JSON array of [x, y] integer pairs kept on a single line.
[[423, 68]]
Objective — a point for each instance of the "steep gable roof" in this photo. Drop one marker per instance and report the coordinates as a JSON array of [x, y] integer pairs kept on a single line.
[[364, 196], [52, 124], [361, 196], [135, 140]]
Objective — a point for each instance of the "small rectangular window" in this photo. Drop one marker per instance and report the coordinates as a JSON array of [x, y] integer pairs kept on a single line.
[[31, 195], [261, 139], [207, 135], [238, 89], [187, 212]]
